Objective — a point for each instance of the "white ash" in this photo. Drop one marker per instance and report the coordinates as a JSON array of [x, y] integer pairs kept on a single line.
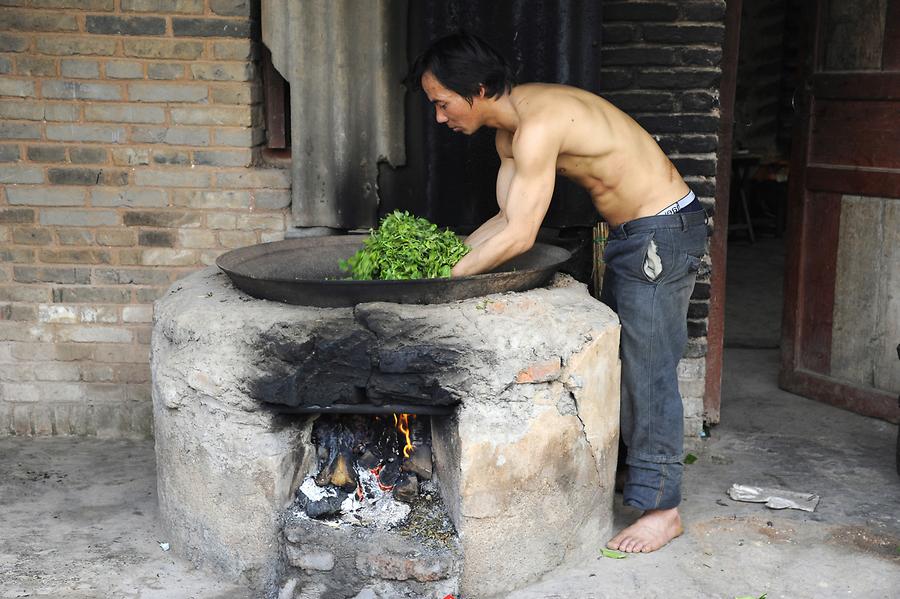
[[377, 507], [382, 513], [314, 492]]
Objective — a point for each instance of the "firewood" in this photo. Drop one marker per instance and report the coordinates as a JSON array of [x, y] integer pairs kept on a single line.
[[343, 475], [419, 462], [406, 488]]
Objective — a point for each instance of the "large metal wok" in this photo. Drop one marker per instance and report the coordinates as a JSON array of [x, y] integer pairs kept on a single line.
[[305, 271]]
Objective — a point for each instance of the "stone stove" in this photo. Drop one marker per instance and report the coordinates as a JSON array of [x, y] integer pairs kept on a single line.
[[524, 459]]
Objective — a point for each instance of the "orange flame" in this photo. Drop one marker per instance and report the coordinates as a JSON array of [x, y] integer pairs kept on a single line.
[[402, 424]]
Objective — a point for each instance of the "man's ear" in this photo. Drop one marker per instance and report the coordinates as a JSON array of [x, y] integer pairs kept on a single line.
[[481, 91]]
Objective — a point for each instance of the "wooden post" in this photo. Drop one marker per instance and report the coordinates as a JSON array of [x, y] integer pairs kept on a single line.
[[600, 235], [277, 116]]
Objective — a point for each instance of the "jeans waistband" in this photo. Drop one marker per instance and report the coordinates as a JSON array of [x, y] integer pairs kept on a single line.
[[679, 220]]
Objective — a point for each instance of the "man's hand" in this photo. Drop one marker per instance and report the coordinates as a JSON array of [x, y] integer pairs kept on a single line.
[[503, 246]]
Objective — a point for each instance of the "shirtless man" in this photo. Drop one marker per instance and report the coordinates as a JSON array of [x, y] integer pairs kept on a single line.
[[657, 237]]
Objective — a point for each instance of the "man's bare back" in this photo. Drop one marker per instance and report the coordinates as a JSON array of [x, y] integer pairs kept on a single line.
[[603, 150]]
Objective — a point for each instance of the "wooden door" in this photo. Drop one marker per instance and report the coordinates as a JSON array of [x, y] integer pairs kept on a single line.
[[841, 323]]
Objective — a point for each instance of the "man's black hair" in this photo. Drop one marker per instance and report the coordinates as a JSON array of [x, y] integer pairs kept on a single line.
[[462, 62]]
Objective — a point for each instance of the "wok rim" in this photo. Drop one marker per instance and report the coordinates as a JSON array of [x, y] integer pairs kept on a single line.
[[234, 254]]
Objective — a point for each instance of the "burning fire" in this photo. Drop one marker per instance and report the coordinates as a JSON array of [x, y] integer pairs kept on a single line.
[[402, 424], [361, 472]]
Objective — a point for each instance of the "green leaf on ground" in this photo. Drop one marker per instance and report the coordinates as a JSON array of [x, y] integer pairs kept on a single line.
[[763, 596], [612, 553], [690, 459]]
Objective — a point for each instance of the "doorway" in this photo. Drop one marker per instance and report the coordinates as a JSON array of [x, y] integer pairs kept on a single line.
[[764, 119]]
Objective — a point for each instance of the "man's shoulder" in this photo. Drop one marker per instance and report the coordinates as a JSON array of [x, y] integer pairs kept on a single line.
[[538, 93], [546, 104], [543, 118]]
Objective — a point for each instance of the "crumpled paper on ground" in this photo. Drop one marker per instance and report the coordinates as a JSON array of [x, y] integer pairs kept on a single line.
[[777, 499]]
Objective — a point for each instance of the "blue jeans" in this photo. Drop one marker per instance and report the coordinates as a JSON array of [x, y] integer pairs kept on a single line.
[[651, 266]]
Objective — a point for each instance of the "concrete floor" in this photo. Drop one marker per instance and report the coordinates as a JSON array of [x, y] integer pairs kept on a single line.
[[78, 517]]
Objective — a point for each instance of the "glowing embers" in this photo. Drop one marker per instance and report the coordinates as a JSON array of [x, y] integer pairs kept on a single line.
[[369, 469]]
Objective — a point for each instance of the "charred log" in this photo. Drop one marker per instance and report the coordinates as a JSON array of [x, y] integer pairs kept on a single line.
[[406, 488], [389, 473], [419, 462], [368, 460], [338, 440], [343, 475], [321, 508]]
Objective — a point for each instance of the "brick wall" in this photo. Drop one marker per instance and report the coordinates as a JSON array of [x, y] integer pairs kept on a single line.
[[758, 100], [127, 134], [661, 64]]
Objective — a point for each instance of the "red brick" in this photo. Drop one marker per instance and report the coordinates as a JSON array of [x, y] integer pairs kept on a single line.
[[540, 372]]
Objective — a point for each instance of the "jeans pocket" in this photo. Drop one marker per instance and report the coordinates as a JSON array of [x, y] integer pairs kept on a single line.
[[653, 266], [693, 263], [636, 258]]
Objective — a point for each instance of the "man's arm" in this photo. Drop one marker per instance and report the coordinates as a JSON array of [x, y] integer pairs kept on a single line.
[[527, 200], [487, 230], [504, 175]]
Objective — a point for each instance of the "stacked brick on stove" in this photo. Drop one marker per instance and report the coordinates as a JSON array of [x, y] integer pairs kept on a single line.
[[128, 134]]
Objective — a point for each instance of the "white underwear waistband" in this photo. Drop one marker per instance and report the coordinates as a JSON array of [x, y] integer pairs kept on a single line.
[[679, 205]]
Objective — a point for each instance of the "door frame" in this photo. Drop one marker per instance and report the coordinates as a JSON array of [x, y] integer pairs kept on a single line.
[[718, 246]]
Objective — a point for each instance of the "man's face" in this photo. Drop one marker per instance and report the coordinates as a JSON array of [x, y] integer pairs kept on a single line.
[[450, 107]]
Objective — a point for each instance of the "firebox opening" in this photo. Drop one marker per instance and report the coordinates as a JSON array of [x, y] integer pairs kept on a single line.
[[374, 471]]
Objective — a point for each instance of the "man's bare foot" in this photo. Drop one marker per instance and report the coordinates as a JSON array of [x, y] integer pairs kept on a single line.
[[651, 531]]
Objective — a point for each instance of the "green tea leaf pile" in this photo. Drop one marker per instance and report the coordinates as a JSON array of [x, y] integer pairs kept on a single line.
[[406, 247]]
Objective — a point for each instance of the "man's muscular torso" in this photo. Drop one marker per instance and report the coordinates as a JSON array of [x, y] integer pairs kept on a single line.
[[601, 148]]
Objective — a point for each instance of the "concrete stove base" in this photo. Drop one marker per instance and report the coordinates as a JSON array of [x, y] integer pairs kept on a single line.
[[525, 464]]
